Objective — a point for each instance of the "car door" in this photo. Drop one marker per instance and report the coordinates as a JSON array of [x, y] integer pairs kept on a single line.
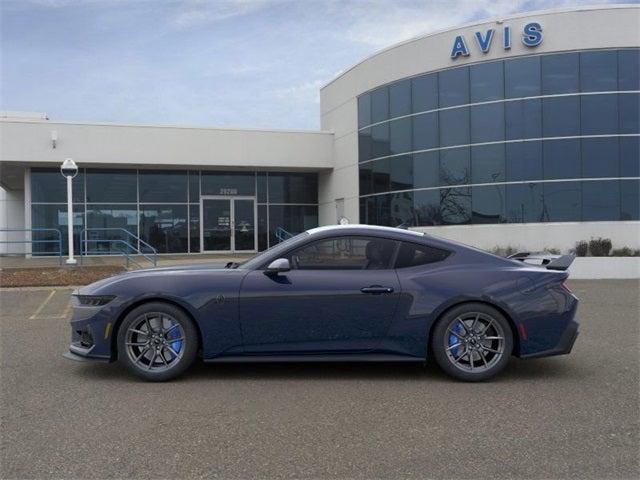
[[339, 296]]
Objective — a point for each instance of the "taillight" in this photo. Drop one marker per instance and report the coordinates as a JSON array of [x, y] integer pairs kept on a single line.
[[566, 287]]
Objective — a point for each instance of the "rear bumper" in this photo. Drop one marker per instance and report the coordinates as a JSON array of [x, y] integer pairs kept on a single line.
[[564, 345]]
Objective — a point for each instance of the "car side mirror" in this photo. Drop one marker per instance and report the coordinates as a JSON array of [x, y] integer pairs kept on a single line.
[[277, 266]]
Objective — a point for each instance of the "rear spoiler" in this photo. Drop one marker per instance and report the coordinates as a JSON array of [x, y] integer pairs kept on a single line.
[[549, 261]]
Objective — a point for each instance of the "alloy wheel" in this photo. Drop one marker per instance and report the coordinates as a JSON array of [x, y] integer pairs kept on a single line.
[[155, 342]]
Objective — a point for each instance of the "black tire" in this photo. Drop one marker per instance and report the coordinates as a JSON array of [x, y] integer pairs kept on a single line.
[[158, 312], [472, 366]]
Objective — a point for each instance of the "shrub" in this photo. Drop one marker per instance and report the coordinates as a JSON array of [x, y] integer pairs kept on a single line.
[[553, 250], [600, 247], [504, 251], [582, 248], [625, 252]]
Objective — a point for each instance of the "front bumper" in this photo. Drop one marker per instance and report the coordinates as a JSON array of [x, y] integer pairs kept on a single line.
[[564, 345]]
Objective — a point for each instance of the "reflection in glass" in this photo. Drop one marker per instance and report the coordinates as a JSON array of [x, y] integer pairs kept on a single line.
[[523, 119], [561, 159], [115, 218], [560, 73], [562, 202], [487, 123], [163, 186], [630, 200], [424, 93], [455, 205], [453, 87], [194, 227], [629, 69], [598, 71], [488, 204], [49, 186], [487, 81], [365, 148], [53, 216], [364, 110], [600, 200], [487, 163], [261, 185], [216, 225], [366, 178], [293, 187], [401, 172], [263, 228], [426, 204], [561, 116], [292, 219], [400, 133], [106, 186], [522, 77], [165, 227], [244, 225], [600, 157], [455, 166], [599, 114], [426, 169], [630, 157], [629, 113], [524, 203], [194, 186], [380, 141], [425, 131], [454, 127], [400, 99], [381, 175], [379, 104], [523, 161]]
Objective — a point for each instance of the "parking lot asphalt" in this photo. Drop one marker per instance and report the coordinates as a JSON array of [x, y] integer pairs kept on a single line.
[[573, 416]]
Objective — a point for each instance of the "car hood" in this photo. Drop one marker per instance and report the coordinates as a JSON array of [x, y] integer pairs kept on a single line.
[[101, 285]]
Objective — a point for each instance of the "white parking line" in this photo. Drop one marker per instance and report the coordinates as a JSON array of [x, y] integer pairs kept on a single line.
[[42, 305]]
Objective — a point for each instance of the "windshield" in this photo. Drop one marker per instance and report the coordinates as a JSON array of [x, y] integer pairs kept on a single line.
[[278, 247]]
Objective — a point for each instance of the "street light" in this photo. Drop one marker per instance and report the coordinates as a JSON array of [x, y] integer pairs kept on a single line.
[[69, 169]]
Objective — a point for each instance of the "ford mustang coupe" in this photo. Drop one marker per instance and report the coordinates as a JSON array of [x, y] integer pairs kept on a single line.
[[339, 293]]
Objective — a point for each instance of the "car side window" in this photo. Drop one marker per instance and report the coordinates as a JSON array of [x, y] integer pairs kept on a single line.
[[345, 253], [413, 254]]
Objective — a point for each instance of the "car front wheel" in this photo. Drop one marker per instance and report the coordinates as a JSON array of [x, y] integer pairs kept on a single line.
[[157, 341], [472, 342]]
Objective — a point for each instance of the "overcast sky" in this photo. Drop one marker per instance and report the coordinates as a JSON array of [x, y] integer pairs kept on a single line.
[[244, 63]]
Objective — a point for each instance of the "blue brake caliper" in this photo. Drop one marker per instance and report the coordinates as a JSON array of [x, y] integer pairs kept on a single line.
[[453, 339], [175, 333]]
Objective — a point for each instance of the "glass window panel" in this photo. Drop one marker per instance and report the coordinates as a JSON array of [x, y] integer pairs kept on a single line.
[[345, 253], [400, 135], [426, 169], [630, 200], [115, 218], [426, 204], [413, 255], [523, 119], [165, 227], [194, 227], [455, 168], [112, 186], [365, 145], [600, 157], [228, 183], [380, 104], [401, 209], [488, 164], [401, 172], [599, 71], [599, 114], [455, 205], [400, 98], [194, 186], [562, 202], [561, 116], [49, 186], [380, 141], [364, 110], [487, 81], [600, 200], [425, 131], [487, 123], [453, 87], [261, 186], [292, 218], [376, 210], [263, 228], [629, 113], [630, 156], [523, 161], [560, 73], [424, 93], [366, 178], [52, 216], [381, 175], [163, 186], [629, 69], [561, 159], [522, 77], [293, 187], [454, 127], [524, 203], [488, 204]]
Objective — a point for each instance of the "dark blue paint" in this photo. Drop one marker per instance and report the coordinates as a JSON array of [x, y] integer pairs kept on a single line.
[[245, 313]]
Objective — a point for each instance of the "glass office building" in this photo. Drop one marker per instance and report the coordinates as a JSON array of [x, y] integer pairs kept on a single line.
[[535, 139], [174, 211]]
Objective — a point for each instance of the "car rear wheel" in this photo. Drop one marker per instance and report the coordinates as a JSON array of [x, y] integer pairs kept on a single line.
[[157, 341], [472, 342]]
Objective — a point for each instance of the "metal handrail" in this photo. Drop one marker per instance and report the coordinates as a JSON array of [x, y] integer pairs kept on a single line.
[[150, 257], [282, 234], [32, 241]]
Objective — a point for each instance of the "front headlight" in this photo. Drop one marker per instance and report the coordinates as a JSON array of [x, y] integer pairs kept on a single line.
[[93, 300]]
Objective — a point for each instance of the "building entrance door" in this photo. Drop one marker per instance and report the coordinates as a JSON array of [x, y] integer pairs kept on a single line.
[[228, 224]]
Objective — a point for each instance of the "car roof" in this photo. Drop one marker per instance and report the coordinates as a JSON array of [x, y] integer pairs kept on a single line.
[[364, 229]]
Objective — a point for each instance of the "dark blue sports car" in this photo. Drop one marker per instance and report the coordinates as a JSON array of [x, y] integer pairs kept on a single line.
[[337, 293]]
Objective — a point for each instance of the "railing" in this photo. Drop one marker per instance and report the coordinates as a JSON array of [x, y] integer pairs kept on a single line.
[[129, 247], [282, 234], [57, 241]]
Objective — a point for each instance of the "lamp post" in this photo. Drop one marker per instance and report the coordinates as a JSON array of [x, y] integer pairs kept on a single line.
[[69, 169]]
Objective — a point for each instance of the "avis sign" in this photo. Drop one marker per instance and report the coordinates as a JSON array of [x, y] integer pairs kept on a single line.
[[531, 37]]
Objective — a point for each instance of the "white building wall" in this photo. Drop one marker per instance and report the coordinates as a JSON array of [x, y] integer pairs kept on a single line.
[[576, 29], [11, 217]]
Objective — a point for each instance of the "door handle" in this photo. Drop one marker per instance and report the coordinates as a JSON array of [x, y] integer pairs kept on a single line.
[[376, 289]]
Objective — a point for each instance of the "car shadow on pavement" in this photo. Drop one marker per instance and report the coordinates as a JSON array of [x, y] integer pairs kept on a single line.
[[319, 371]]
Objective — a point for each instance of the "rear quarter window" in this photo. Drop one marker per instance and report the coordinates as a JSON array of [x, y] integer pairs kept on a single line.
[[413, 254]]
